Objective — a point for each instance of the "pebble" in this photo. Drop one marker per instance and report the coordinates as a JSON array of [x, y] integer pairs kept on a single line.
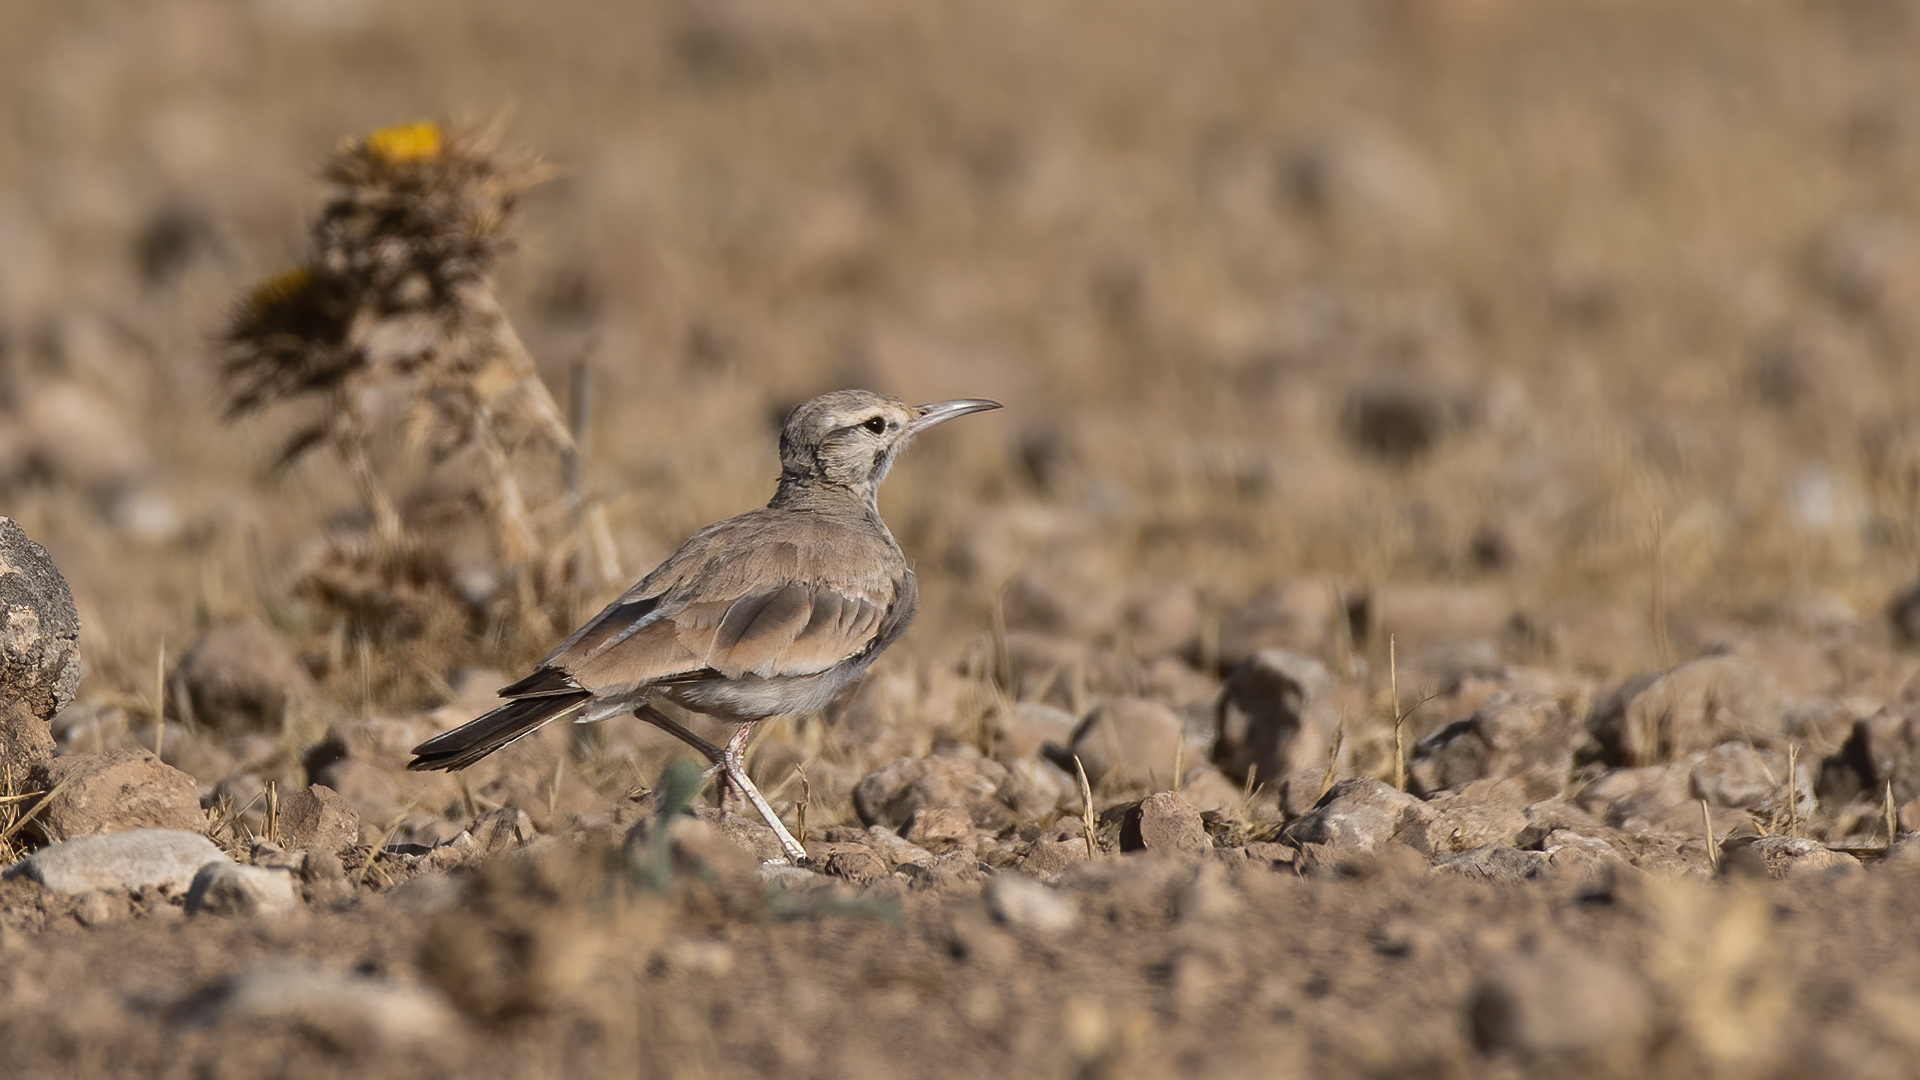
[[1361, 814], [1527, 737], [1130, 743], [123, 861], [1164, 822], [1561, 1003], [1024, 904], [940, 829], [1697, 705], [319, 819], [227, 888], [1273, 716], [892, 794], [241, 676], [349, 1010], [114, 792]]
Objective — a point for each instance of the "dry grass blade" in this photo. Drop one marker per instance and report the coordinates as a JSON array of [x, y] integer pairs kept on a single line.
[[273, 812], [1892, 816], [1086, 807], [1399, 719], [1332, 773], [1793, 789], [7, 834], [1713, 849]]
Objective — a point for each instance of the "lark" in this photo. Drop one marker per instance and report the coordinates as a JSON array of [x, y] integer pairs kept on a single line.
[[771, 613]]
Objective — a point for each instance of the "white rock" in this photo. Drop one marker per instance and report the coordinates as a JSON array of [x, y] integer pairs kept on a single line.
[[1025, 904], [350, 1007], [126, 861], [227, 888]]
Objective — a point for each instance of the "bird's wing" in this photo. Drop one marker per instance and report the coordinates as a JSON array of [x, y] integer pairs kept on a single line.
[[737, 600]]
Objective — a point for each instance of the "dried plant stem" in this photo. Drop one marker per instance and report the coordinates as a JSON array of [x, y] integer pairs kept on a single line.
[[1086, 806], [1713, 849], [7, 834], [273, 812], [1399, 719], [160, 699], [517, 540], [1331, 774], [1893, 817], [1658, 600], [806, 798], [386, 518], [1793, 789]]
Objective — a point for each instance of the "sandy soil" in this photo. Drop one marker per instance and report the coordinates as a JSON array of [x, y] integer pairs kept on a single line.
[[1457, 497]]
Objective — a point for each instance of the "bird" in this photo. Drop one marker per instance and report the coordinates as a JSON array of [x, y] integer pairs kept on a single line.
[[773, 612]]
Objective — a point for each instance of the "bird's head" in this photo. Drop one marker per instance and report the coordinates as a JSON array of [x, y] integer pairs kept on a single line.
[[849, 438]]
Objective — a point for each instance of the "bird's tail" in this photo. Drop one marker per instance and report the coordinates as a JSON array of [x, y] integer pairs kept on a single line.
[[475, 739]]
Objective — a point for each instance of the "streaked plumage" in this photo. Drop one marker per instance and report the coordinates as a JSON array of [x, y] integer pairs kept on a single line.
[[770, 613]]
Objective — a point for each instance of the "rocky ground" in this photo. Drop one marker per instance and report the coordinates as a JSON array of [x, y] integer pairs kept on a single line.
[[1439, 600]]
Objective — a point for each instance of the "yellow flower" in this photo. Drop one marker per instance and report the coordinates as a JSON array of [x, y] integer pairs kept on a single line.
[[403, 144]]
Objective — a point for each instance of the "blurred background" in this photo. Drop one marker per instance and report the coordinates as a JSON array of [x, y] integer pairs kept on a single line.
[[1576, 335]]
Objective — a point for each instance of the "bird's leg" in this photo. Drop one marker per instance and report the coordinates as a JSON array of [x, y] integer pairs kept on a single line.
[[730, 763], [733, 766], [712, 753]]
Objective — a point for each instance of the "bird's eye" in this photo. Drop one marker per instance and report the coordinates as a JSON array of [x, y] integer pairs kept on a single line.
[[877, 425]]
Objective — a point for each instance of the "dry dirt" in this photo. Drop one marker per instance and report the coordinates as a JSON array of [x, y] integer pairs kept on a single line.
[[1457, 497]]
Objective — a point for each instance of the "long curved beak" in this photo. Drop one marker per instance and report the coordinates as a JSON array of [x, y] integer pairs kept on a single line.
[[942, 411]]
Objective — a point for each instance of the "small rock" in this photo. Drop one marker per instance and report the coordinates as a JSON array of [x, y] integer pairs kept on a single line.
[[96, 907], [123, 862], [343, 1010], [895, 849], [1526, 737], [1362, 814], [1022, 730], [1736, 775], [1781, 857], [114, 792], [373, 792], [1037, 788], [1505, 865], [323, 880], [39, 650], [1164, 821], [1208, 789], [1293, 617], [226, 888], [502, 829], [794, 879], [1563, 1003], [940, 829], [1129, 743], [1487, 813], [1044, 857], [1656, 798], [1062, 671], [1882, 748], [1400, 419], [274, 857], [319, 819], [853, 863], [1697, 705], [1273, 716], [1024, 904], [1160, 618], [945, 872], [241, 676], [892, 794]]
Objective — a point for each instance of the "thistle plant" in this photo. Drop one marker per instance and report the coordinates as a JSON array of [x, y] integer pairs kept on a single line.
[[395, 304]]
